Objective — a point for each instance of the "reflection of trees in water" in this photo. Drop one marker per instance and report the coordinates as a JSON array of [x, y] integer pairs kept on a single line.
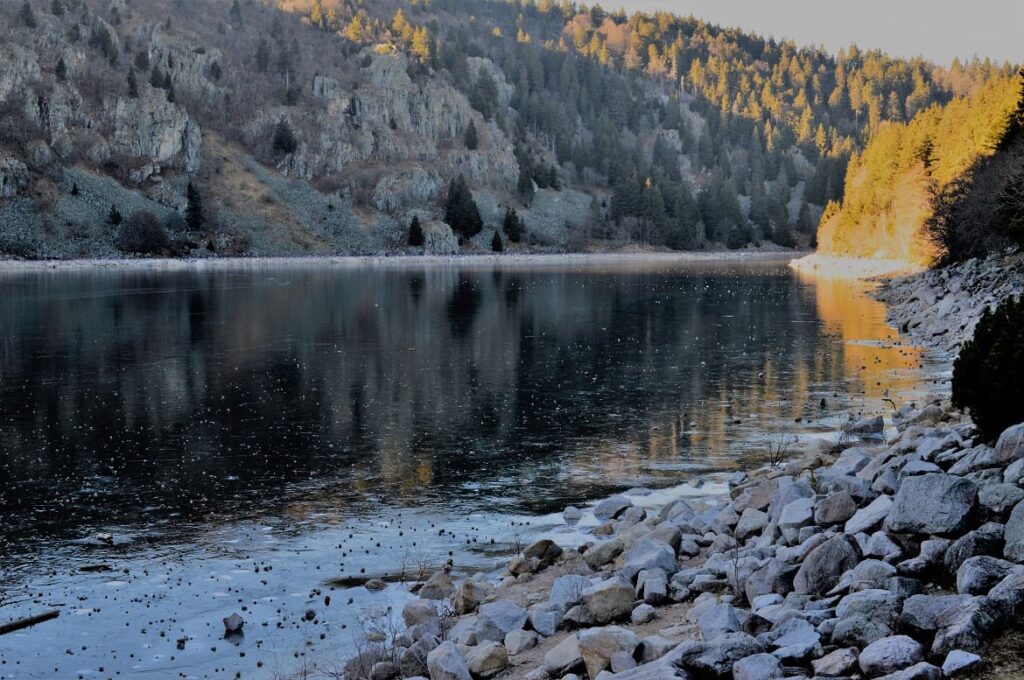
[[179, 390]]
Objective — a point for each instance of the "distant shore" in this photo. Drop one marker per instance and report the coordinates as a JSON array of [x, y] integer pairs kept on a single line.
[[462, 260]]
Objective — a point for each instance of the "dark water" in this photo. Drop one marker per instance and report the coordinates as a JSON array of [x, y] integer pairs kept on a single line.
[[216, 419]]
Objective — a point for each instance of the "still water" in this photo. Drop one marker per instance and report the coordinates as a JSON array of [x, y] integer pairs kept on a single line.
[[254, 437]]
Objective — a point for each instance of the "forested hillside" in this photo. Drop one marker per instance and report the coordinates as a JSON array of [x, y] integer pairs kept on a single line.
[[237, 126], [944, 186]]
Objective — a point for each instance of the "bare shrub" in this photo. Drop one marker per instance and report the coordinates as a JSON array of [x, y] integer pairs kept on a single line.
[[143, 234]]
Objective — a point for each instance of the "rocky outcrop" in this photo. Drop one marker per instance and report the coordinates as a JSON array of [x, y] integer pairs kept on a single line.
[[151, 127], [13, 177]]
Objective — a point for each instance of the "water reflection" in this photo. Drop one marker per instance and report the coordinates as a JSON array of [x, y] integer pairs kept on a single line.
[[132, 397]]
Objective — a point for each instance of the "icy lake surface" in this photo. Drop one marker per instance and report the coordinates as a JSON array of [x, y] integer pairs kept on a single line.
[[259, 438]]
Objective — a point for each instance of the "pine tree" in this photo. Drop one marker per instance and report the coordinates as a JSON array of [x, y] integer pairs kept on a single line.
[[415, 232], [194, 217], [236, 13], [284, 141], [472, 140], [513, 225], [114, 216], [133, 85], [60, 72], [27, 15], [461, 212], [262, 55], [496, 245]]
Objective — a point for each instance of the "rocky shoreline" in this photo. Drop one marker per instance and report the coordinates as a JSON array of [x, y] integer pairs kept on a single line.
[[898, 559], [897, 553], [939, 308]]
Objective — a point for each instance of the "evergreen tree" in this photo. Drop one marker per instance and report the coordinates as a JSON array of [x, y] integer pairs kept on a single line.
[[262, 55], [415, 232], [513, 225], [27, 15], [57, 8], [236, 13], [114, 216], [133, 85], [496, 245], [60, 72], [194, 217], [472, 141], [461, 212], [284, 141]]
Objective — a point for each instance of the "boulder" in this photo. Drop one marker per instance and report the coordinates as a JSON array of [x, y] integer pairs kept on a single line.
[[497, 619], [545, 618], [996, 500], [518, 641], [1010, 447], [610, 508], [609, 600], [869, 574], [919, 671], [716, 658], [921, 612], [487, 659], [933, 504], [796, 515], [785, 493], [838, 663], [545, 551], [446, 663], [870, 516], [438, 587], [794, 640], [718, 620], [645, 613], [979, 574], [567, 590], [823, 567], [889, 655], [757, 496], [835, 509], [758, 667], [928, 559], [751, 522], [866, 427], [233, 624], [1014, 534], [598, 645], [413, 661], [774, 576], [418, 611], [562, 658], [1008, 595], [602, 553], [985, 540], [968, 627], [653, 647], [959, 662], [858, 631], [469, 594], [875, 604], [648, 554]]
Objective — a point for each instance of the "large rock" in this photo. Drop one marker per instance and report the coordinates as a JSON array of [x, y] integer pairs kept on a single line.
[[774, 576], [858, 631], [598, 645], [567, 590], [610, 508], [446, 663], [758, 667], [418, 611], [518, 641], [718, 620], [438, 587], [875, 604], [836, 664], [602, 553], [823, 567], [929, 559], [785, 493], [968, 627], [794, 640], [919, 671], [1008, 595], [979, 574], [1010, 447], [959, 662], [563, 657], [751, 522], [648, 554], [921, 612], [985, 540], [545, 618], [498, 619], [544, 550], [715, 659], [609, 600], [1014, 535], [933, 504], [469, 594], [795, 516], [870, 516], [835, 509], [487, 659], [889, 655], [999, 499]]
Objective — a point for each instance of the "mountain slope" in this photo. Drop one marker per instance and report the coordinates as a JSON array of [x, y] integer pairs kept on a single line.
[[324, 127]]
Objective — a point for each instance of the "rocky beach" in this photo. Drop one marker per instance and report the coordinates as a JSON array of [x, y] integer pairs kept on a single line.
[[896, 552]]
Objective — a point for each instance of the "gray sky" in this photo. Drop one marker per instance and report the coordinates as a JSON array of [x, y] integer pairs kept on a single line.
[[936, 29]]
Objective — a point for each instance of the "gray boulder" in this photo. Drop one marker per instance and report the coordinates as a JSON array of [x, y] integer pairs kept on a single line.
[[919, 671], [1008, 595], [858, 631], [835, 664], [929, 559], [870, 516], [545, 618], [1014, 535], [1010, 447], [959, 662], [758, 667], [985, 540], [979, 574], [487, 659], [933, 504], [446, 663], [875, 604], [796, 515], [920, 613], [968, 627], [518, 641], [999, 499], [609, 600], [610, 508], [823, 567], [598, 645], [718, 620], [563, 657], [498, 619], [889, 655], [648, 554], [567, 590], [751, 522], [835, 509], [602, 553], [716, 658]]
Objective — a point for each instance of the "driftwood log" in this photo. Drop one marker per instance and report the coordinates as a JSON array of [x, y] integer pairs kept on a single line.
[[28, 621]]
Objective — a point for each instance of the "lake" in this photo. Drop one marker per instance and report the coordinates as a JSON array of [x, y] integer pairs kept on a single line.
[[178, 445]]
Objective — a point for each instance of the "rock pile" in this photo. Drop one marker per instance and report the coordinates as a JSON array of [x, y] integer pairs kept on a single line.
[[899, 561], [940, 307]]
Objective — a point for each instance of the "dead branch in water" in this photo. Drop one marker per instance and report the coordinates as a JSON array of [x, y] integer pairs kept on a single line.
[[28, 621]]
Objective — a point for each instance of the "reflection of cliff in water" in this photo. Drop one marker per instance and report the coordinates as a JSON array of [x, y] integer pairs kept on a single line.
[[138, 397]]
